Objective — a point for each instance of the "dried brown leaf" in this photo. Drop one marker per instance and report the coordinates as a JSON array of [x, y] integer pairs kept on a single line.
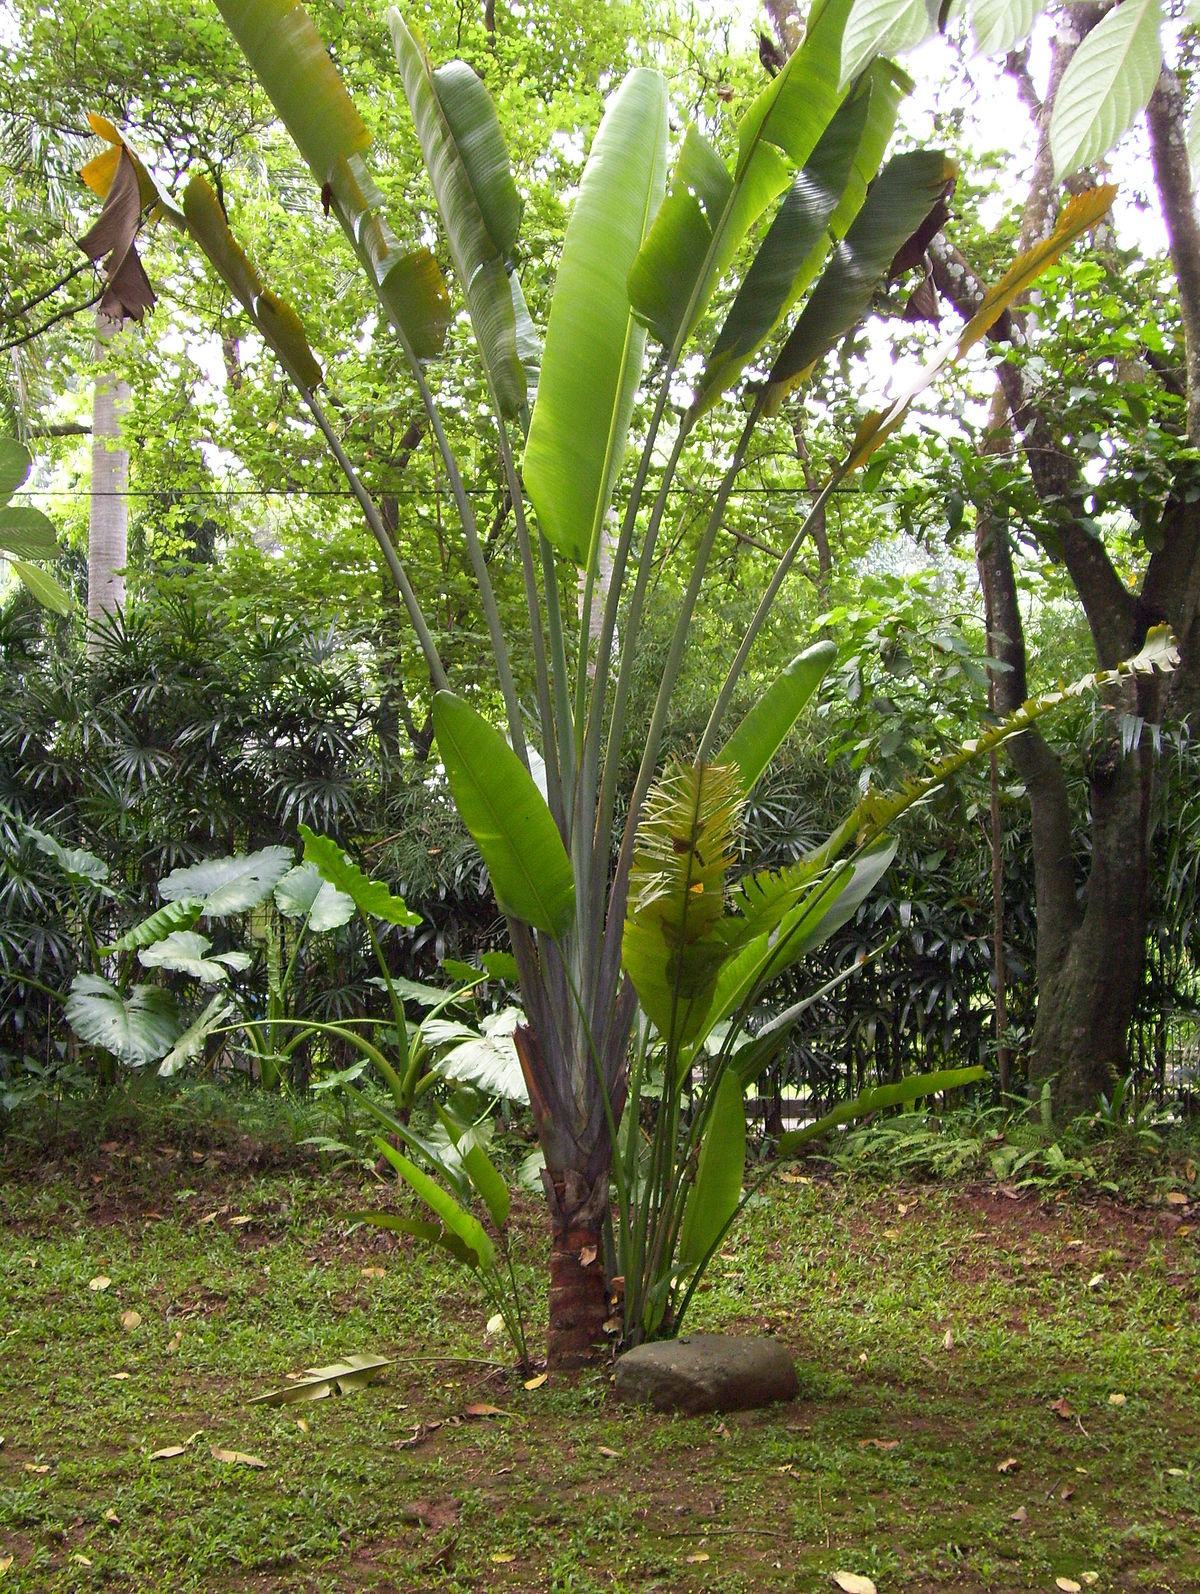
[[236, 1457]]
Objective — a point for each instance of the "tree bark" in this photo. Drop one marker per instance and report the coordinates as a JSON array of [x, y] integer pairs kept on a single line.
[[108, 508], [1090, 945]]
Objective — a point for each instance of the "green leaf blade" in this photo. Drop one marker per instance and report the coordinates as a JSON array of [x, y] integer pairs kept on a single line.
[[229, 885], [137, 1029], [761, 733], [714, 1196], [507, 817], [371, 897], [592, 360], [1108, 81]]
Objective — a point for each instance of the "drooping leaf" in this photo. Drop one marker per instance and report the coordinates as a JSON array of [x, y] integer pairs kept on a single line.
[[593, 356], [79, 865], [27, 532], [999, 24], [507, 817], [180, 914], [761, 733], [137, 1029], [304, 892], [706, 214], [428, 1233], [714, 1196], [43, 586], [191, 1043], [127, 293], [485, 1177], [189, 952], [885, 27], [1108, 80], [672, 948], [370, 897], [876, 1100], [456, 1219], [229, 885], [907, 189], [467, 162]]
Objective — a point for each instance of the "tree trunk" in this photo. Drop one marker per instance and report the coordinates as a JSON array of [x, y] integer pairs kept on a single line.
[[108, 511], [578, 1302]]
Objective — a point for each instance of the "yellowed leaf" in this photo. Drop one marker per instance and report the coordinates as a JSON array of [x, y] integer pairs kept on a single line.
[[1019, 1515], [5, 1562], [237, 1458], [696, 1557], [167, 1452], [1068, 1585], [481, 1408], [879, 1444], [794, 1178], [1009, 1464], [1089, 1578], [1116, 1400], [537, 1381], [111, 1516], [494, 1323], [854, 1583], [240, 1222], [131, 1320], [948, 1340], [1061, 1409], [373, 1272], [100, 1283], [79, 1559], [587, 1255], [1176, 1472], [176, 1340], [1183, 1230], [1096, 1280], [605, 1450], [302, 1424], [120, 1377], [503, 1557], [1175, 1198], [39, 1468]]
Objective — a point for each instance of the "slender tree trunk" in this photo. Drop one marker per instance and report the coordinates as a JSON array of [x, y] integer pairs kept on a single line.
[[108, 515]]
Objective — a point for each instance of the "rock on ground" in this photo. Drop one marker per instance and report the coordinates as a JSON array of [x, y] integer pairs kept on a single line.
[[706, 1372]]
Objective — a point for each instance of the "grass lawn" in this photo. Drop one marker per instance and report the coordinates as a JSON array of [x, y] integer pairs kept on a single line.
[[998, 1390]]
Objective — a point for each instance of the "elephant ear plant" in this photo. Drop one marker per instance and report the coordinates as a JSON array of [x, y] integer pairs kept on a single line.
[[646, 248]]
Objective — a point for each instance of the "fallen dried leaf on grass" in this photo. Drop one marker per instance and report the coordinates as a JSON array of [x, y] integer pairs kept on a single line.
[[1019, 1515], [879, 1444], [1116, 1400], [5, 1562], [100, 1283], [503, 1557], [237, 1458], [604, 1450], [1068, 1585], [373, 1272], [480, 1408], [537, 1382], [696, 1558], [1061, 1409], [167, 1452], [948, 1341], [1175, 1198], [853, 1583], [1009, 1464], [111, 1516], [131, 1320], [339, 1378], [39, 1469]]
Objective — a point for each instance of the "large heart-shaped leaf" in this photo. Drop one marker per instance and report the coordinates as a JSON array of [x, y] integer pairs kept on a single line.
[[507, 817], [188, 952], [229, 885], [485, 1058], [191, 1043], [467, 162], [371, 897], [1108, 80], [137, 1029], [593, 356], [305, 893], [178, 915], [80, 866]]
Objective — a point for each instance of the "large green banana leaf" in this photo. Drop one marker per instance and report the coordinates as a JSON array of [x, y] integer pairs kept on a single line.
[[467, 162], [698, 229], [507, 817], [593, 355], [906, 191], [291, 62], [713, 1198], [759, 736]]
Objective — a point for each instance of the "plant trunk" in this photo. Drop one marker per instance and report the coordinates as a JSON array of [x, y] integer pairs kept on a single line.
[[578, 1301], [1089, 977], [108, 510]]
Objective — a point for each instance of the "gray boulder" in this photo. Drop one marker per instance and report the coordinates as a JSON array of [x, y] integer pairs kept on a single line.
[[706, 1372]]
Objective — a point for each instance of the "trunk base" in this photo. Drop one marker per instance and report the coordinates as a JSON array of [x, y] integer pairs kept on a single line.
[[578, 1304]]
